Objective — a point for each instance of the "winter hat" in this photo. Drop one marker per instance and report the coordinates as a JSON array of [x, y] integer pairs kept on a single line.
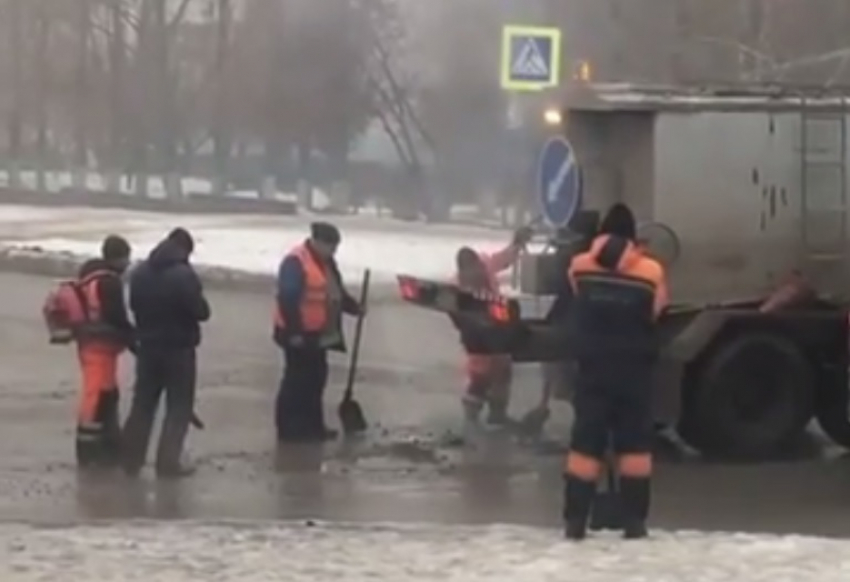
[[325, 232], [115, 247], [181, 237], [619, 221]]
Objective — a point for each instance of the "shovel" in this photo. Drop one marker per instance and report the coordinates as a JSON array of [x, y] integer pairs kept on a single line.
[[197, 422], [530, 426], [607, 513], [350, 412]]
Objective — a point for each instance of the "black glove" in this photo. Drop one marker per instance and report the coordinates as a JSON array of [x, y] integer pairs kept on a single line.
[[522, 236]]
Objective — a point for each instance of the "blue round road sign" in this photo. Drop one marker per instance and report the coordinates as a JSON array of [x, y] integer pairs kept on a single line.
[[558, 182]]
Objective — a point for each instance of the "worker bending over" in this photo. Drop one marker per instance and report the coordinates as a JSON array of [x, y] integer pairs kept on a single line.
[[619, 293], [105, 333], [488, 375]]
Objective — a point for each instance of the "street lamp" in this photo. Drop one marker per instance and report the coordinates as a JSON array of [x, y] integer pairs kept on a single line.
[[552, 116]]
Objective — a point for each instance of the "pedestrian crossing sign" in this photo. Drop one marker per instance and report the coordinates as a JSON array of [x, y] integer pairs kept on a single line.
[[531, 58]]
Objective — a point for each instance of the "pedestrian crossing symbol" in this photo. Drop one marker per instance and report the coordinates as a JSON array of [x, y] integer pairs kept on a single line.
[[530, 58]]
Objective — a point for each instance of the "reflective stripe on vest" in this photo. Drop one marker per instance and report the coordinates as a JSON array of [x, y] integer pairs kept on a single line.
[[314, 299]]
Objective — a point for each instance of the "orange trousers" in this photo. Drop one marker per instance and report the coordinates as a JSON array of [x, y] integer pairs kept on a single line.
[[489, 378], [98, 428]]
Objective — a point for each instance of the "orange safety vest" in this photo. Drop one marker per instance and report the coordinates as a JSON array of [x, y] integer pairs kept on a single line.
[[93, 326], [314, 299], [89, 287]]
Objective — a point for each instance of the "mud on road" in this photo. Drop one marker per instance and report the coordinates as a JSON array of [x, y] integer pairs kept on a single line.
[[407, 469]]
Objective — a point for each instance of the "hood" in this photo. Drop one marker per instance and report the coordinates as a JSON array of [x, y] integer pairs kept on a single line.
[[627, 258], [167, 254]]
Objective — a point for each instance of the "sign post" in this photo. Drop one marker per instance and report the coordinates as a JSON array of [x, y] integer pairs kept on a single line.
[[559, 185], [530, 62]]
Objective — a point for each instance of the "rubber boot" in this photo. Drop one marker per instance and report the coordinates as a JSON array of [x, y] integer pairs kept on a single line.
[[497, 415], [578, 500], [635, 496], [472, 407]]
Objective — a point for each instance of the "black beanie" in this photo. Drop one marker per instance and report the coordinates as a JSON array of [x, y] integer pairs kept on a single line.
[[325, 232], [182, 238], [619, 221], [115, 247]]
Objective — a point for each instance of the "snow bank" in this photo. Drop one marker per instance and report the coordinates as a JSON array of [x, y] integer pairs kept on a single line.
[[252, 245], [259, 252], [330, 552]]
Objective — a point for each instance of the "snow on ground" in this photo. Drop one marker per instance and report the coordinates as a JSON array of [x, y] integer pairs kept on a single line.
[[329, 552], [252, 244]]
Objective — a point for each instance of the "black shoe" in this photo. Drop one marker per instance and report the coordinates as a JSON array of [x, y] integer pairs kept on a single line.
[[178, 472], [575, 531], [635, 531]]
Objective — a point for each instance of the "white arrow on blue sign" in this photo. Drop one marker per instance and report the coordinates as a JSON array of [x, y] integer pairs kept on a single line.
[[558, 182]]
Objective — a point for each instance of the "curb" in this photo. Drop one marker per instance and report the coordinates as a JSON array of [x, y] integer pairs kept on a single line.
[[57, 264]]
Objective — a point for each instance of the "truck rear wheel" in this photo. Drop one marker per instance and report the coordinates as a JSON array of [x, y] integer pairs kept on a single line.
[[753, 396]]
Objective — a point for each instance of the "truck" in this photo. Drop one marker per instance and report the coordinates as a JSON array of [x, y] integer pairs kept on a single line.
[[752, 181]]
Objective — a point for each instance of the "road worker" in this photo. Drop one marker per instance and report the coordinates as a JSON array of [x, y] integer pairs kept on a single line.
[[619, 293], [488, 375], [105, 333], [168, 303], [310, 301]]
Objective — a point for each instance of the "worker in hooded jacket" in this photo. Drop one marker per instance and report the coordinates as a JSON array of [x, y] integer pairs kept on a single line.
[[106, 333], [488, 375], [619, 292], [310, 301], [168, 303]]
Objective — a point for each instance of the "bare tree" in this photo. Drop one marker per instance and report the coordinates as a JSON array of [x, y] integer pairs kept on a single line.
[[221, 130], [15, 29], [43, 71], [81, 94]]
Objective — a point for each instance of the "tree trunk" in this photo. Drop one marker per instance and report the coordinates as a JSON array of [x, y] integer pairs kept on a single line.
[[221, 139], [305, 184], [16, 25], [44, 72], [166, 141], [80, 164], [118, 67]]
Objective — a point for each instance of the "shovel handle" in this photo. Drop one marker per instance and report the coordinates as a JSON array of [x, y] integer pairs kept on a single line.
[[358, 334]]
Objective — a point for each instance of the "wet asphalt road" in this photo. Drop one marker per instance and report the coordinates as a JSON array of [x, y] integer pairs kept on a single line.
[[408, 469]]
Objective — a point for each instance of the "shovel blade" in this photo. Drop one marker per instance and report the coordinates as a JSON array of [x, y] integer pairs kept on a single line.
[[607, 512], [351, 417]]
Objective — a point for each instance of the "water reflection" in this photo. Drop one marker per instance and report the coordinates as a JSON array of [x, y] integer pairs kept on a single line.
[[111, 495]]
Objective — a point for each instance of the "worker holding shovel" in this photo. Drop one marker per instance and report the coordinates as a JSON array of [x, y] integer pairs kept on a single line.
[[310, 301]]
